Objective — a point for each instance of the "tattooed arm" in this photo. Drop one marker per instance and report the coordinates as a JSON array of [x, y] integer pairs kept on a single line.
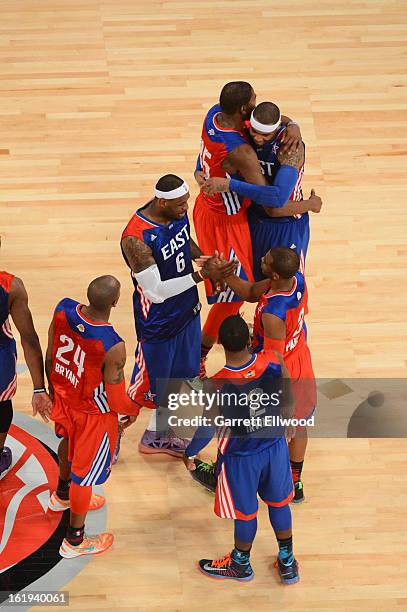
[[140, 258], [113, 377]]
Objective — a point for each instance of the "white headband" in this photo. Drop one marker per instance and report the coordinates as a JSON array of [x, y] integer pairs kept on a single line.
[[174, 193], [262, 127]]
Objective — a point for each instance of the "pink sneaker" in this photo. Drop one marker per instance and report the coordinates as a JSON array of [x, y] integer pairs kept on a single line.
[[167, 443]]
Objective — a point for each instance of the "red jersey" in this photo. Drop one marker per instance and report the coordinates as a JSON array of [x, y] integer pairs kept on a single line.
[[79, 351], [216, 143], [290, 306]]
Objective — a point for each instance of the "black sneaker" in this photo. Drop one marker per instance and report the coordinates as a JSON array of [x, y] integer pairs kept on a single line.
[[298, 493], [205, 474], [288, 572], [226, 568]]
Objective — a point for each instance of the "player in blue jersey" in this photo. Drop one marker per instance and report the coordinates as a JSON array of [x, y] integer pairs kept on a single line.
[[279, 215], [252, 459], [14, 302], [157, 247]]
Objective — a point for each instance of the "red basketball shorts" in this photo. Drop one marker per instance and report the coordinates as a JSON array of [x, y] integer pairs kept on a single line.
[[91, 441], [228, 234], [304, 388]]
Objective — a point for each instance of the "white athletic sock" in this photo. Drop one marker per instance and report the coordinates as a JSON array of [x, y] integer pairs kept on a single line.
[[152, 426]]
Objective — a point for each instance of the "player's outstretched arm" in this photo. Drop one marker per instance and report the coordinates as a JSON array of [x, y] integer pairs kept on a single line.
[[48, 359], [21, 315], [274, 333], [244, 159], [115, 385], [248, 291], [274, 196]]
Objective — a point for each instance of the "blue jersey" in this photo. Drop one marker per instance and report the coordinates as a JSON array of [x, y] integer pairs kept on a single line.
[[6, 337], [8, 353], [258, 376], [172, 253], [268, 159]]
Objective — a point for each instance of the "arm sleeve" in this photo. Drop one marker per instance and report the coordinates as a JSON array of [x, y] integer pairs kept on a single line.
[[198, 166], [275, 195], [202, 437], [157, 290], [119, 401]]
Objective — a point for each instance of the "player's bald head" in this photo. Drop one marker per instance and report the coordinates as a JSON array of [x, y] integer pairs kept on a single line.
[[280, 261], [103, 292], [235, 96]]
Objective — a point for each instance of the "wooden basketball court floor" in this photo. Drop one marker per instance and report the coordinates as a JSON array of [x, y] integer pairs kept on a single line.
[[100, 98]]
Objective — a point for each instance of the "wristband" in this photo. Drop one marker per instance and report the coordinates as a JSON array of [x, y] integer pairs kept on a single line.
[[292, 123], [41, 390], [192, 457], [201, 276]]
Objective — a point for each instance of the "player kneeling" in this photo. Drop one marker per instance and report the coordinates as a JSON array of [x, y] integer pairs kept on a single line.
[[84, 364], [248, 465]]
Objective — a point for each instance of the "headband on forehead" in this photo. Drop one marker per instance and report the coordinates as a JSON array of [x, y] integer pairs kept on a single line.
[[174, 193], [262, 127]]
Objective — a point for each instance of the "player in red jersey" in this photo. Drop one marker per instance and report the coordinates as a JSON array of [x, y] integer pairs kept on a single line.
[[84, 364], [221, 219], [14, 302], [279, 325]]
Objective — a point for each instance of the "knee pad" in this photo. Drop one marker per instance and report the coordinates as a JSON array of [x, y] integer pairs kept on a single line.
[[6, 416]]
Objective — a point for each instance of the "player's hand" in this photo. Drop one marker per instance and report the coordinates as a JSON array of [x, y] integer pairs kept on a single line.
[[215, 185], [315, 202], [189, 463], [125, 422], [291, 138], [217, 269], [200, 177], [41, 404]]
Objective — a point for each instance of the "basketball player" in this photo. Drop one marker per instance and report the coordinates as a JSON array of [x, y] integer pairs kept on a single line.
[[14, 302], [287, 224], [157, 247], [248, 465], [220, 220], [279, 326], [84, 363]]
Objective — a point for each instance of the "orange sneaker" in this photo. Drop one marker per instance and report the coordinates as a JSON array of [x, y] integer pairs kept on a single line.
[[59, 505], [91, 545]]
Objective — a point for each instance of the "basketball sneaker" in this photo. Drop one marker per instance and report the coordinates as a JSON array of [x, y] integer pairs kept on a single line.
[[167, 443], [5, 459], [298, 493], [205, 474], [91, 545], [226, 568], [288, 571], [59, 505]]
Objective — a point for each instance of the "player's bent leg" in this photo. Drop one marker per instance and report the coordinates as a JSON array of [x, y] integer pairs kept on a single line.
[[59, 500], [6, 417]]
